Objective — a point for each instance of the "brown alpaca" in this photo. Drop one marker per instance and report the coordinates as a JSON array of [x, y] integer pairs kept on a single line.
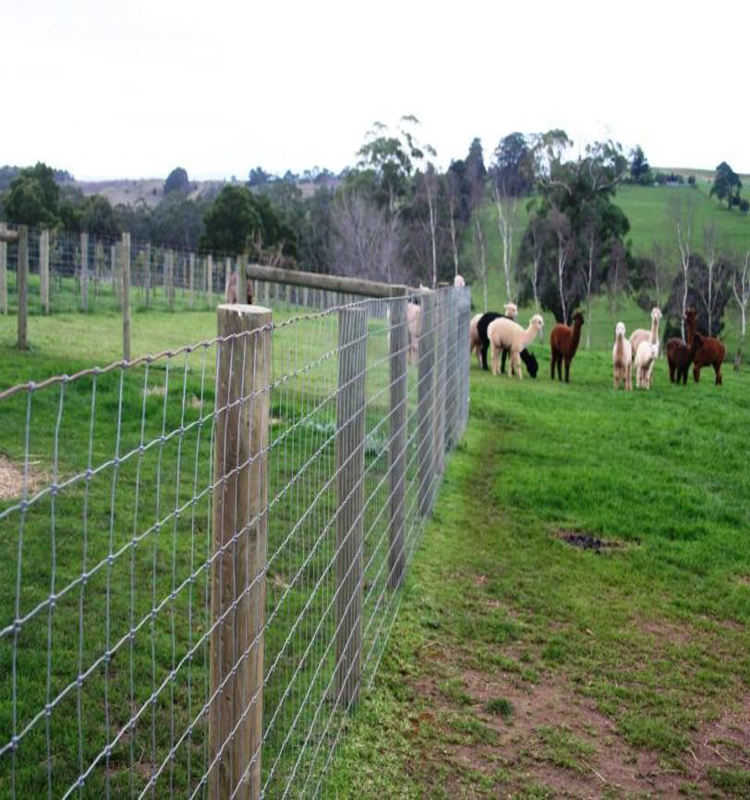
[[564, 343], [679, 357], [710, 354]]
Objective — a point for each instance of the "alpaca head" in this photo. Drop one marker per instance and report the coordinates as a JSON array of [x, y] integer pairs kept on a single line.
[[511, 310], [620, 330], [459, 281], [537, 322], [655, 315], [532, 365], [578, 319]]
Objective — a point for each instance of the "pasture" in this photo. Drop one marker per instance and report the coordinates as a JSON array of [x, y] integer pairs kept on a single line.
[[577, 622]]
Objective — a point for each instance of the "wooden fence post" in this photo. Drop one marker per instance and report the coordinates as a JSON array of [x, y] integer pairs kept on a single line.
[[426, 402], [84, 272], [210, 279], [3, 272], [98, 262], [350, 468], [451, 378], [191, 280], [169, 276], [439, 381], [227, 274], [399, 346], [113, 262], [44, 269], [23, 285], [148, 275], [240, 530], [125, 272]]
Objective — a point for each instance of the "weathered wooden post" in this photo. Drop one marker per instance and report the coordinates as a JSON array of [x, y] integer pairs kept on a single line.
[[227, 274], [84, 272], [399, 350], [440, 355], [23, 286], [147, 280], [210, 279], [3, 270], [98, 264], [240, 530], [426, 402], [169, 277], [350, 468], [191, 280], [125, 272], [44, 269]]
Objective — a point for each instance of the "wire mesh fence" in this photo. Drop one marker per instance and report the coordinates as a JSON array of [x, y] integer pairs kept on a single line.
[[70, 272], [203, 551]]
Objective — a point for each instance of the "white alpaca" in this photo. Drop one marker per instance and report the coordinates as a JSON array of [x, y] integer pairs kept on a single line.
[[622, 359], [504, 334], [644, 363], [414, 326], [511, 311], [459, 281], [641, 335]]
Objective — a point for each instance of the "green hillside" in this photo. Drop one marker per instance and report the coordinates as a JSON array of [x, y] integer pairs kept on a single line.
[[647, 208]]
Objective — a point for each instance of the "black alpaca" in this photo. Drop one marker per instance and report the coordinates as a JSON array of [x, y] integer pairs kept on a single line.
[[529, 359]]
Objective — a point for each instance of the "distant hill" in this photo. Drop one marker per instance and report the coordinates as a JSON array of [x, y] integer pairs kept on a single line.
[[150, 190]]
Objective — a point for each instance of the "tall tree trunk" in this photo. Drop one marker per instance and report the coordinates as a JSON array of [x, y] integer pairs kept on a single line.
[[454, 244]]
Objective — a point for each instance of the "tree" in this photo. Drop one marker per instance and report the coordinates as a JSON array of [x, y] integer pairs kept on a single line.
[[617, 274], [231, 222], [507, 222], [33, 197], [741, 291], [682, 213], [713, 284], [366, 240], [476, 172], [480, 258], [640, 170], [177, 181], [576, 204], [513, 168], [259, 177], [98, 217], [726, 185]]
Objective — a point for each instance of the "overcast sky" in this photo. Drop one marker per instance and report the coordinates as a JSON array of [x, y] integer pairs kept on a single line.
[[133, 89]]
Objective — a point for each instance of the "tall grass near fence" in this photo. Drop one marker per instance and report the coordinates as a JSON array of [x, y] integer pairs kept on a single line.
[[202, 551]]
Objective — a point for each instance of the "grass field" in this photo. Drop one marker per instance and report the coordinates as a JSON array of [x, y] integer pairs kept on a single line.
[[523, 666], [87, 435]]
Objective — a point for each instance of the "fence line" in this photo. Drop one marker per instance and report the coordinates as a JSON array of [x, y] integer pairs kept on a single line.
[[204, 551]]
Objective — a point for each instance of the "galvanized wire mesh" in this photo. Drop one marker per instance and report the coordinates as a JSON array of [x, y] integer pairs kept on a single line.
[[203, 551]]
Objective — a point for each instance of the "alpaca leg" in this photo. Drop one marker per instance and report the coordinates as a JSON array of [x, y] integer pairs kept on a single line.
[[696, 373], [567, 369], [515, 362], [505, 358], [559, 366], [617, 378], [672, 371], [717, 370], [629, 376], [483, 360], [552, 358]]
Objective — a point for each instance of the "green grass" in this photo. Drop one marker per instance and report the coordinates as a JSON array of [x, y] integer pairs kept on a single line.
[[612, 657], [69, 533]]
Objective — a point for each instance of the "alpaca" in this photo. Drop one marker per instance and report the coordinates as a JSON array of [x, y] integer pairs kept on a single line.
[[231, 294], [504, 334], [711, 353], [622, 360], [475, 342], [641, 335], [644, 362], [414, 326], [478, 340], [680, 356], [564, 344], [459, 281]]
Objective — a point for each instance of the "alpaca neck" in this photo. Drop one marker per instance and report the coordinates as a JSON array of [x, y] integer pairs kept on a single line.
[[576, 338], [620, 345], [690, 331], [655, 330], [528, 337]]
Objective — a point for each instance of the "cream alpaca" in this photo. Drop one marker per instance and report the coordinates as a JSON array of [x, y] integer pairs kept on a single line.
[[644, 363], [504, 334], [622, 359]]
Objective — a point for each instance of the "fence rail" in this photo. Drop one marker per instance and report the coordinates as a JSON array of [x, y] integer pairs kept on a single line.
[[203, 552]]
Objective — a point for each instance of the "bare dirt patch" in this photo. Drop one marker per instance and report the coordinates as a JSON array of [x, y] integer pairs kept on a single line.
[[12, 478], [587, 541]]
